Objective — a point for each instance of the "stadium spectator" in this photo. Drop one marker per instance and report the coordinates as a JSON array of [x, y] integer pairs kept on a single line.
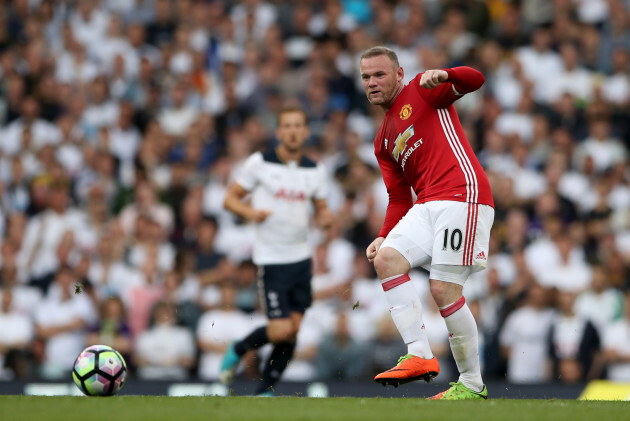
[[210, 266], [150, 240], [177, 118], [493, 308], [328, 288], [339, 357], [162, 26], [540, 64], [144, 293], [164, 350], [615, 345], [16, 334], [523, 339], [604, 149], [568, 274], [111, 328], [146, 203], [61, 323], [601, 304], [123, 137], [25, 299], [45, 233], [573, 342]]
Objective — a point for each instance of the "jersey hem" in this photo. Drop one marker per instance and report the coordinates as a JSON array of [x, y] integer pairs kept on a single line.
[[453, 199]]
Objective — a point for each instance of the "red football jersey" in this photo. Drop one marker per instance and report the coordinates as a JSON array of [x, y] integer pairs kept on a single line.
[[421, 144]]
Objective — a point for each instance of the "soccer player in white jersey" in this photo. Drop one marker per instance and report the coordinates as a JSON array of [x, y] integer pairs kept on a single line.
[[282, 183], [421, 145]]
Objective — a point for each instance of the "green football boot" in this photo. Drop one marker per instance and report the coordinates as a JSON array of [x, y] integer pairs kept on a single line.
[[459, 392]]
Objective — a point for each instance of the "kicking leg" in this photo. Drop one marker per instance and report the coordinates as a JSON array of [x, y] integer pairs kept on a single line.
[[406, 310]]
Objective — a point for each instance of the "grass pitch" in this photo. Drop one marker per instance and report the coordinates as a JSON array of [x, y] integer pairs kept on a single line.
[[158, 408]]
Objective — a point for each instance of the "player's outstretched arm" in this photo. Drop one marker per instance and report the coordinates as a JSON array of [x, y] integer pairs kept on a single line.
[[235, 204], [461, 80], [465, 79]]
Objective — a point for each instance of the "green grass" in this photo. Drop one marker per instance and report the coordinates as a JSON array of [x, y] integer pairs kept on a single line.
[[157, 408]]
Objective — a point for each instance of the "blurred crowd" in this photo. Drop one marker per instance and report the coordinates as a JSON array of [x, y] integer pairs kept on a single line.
[[123, 121]]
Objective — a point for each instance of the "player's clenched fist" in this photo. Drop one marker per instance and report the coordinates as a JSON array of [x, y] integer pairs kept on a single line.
[[433, 78], [372, 249]]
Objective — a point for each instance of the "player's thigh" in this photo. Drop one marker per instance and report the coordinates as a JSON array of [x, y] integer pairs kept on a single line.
[[412, 237], [280, 330], [461, 242], [274, 285], [300, 293]]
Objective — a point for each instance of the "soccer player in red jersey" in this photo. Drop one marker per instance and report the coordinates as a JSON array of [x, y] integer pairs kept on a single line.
[[421, 146]]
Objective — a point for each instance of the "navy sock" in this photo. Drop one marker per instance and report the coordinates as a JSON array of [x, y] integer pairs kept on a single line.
[[254, 340], [275, 366]]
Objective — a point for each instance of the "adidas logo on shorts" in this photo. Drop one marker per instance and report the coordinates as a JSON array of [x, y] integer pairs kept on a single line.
[[481, 256]]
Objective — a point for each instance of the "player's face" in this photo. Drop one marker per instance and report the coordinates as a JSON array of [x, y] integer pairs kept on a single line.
[[382, 81], [292, 130]]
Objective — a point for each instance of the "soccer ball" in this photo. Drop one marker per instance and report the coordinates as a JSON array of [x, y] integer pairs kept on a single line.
[[99, 370]]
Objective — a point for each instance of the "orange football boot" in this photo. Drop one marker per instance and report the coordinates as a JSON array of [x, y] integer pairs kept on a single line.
[[409, 368]]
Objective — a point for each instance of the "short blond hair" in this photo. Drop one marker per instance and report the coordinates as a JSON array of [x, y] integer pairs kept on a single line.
[[293, 109], [381, 50]]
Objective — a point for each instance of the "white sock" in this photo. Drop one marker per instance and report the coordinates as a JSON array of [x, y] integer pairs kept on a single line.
[[406, 310], [464, 341]]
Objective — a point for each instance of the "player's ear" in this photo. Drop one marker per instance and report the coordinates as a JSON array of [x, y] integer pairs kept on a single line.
[[400, 74]]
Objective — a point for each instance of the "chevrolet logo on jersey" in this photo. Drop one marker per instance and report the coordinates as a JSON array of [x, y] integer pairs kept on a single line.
[[410, 151], [401, 142]]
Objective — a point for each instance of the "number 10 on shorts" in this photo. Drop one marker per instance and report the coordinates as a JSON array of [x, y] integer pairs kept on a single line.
[[455, 239]]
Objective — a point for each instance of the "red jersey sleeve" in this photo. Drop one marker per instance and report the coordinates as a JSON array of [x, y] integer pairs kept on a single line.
[[464, 79], [400, 199]]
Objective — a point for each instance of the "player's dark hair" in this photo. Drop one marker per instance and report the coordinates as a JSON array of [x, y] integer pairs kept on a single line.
[[381, 50], [292, 109]]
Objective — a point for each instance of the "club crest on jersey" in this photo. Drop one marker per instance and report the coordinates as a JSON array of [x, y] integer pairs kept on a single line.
[[405, 112]]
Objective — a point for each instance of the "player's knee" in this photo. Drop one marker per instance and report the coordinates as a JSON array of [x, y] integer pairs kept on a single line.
[[288, 334], [389, 262], [438, 291], [282, 332], [445, 293]]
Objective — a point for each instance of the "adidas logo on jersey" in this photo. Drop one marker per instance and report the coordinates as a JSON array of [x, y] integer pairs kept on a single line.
[[481, 256]]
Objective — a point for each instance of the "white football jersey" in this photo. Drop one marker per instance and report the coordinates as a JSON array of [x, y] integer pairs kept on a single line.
[[287, 191]]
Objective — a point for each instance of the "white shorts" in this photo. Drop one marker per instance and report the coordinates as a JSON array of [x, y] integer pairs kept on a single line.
[[439, 234]]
